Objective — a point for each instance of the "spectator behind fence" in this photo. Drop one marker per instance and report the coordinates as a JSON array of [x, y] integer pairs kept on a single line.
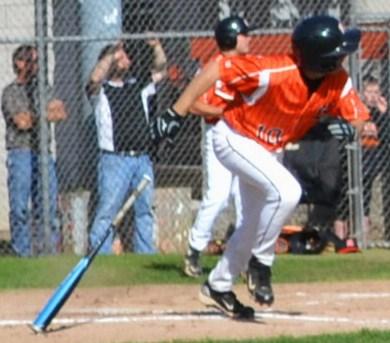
[[20, 106], [121, 112], [316, 163], [280, 99], [283, 13], [375, 152]]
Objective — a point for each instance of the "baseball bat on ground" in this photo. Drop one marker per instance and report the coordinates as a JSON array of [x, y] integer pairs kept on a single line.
[[66, 287]]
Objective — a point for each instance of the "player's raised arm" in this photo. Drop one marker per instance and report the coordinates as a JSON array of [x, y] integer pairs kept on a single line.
[[168, 123], [202, 109], [199, 85]]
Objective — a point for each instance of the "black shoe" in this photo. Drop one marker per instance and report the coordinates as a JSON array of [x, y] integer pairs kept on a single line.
[[225, 301], [192, 267], [259, 282]]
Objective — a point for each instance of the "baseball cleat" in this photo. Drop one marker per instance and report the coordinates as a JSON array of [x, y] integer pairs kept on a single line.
[[192, 267], [259, 282], [227, 302]]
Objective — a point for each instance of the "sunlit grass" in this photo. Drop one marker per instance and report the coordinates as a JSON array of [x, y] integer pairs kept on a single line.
[[131, 269]]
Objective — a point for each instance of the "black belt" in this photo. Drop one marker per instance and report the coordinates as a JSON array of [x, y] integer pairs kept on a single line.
[[129, 153]]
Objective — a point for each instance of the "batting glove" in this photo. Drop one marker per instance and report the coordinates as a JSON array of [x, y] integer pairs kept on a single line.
[[341, 130], [166, 125]]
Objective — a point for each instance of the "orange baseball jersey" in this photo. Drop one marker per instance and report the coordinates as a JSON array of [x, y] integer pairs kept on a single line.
[[275, 105], [219, 96]]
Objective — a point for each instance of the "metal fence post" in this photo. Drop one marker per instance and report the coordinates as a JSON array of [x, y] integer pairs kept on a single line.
[[41, 24], [355, 177]]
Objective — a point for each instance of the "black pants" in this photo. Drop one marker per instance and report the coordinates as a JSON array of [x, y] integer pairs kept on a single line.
[[375, 163]]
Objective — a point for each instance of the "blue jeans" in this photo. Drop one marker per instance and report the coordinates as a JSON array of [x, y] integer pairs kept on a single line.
[[117, 177], [26, 203]]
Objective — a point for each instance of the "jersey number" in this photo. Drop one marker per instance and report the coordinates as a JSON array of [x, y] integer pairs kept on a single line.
[[270, 136]]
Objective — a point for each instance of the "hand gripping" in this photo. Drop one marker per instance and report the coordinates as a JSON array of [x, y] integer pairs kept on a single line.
[[166, 125]]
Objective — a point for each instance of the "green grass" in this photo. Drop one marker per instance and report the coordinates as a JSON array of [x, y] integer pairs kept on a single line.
[[129, 269], [362, 336]]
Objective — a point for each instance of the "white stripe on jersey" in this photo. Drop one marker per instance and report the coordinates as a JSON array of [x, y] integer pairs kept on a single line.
[[264, 81], [273, 70], [218, 90], [347, 88], [148, 91]]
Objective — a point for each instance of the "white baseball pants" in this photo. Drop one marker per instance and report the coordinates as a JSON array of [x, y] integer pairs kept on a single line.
[[269, 195], [220, 185]]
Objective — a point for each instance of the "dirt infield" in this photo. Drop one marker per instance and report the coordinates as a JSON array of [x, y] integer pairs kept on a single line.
[[156, 313]]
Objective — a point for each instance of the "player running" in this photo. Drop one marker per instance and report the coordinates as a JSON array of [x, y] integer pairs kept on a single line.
[[231, 36], [280, 98]]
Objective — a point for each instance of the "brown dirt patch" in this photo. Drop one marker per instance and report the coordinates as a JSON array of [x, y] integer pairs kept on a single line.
[[157, 313]]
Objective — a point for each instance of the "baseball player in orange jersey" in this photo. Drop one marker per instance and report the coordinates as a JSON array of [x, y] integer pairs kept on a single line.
[[231, 35], [280, 99]]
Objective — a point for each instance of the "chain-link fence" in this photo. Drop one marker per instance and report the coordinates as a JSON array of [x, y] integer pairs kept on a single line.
[[374, 86], [69, 36]]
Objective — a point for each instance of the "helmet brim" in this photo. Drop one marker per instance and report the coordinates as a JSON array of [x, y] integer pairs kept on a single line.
[[249, 29], [350, 43]]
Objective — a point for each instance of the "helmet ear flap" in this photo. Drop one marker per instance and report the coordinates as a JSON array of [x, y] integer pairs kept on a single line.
[[228, 43], [297, 55]]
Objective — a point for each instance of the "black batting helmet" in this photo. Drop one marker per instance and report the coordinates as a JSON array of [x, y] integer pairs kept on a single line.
[[320, 43], [228, 29]]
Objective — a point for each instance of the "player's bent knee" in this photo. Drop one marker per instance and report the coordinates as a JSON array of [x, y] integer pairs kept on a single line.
[[292, 197]]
